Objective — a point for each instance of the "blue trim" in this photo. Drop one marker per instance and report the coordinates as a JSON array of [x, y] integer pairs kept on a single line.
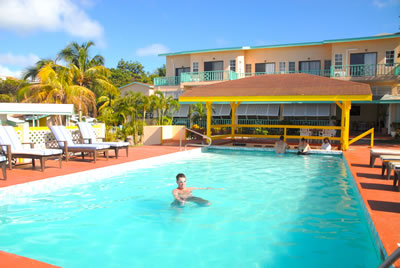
[[285, 45]]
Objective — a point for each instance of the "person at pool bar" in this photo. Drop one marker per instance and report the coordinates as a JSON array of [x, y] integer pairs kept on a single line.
[[281, 146], [303, 147], [183, 194]]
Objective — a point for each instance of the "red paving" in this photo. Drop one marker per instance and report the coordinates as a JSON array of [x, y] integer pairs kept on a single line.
[[380, 198]]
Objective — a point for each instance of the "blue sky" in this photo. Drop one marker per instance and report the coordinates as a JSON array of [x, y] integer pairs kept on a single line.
[[138, 30]]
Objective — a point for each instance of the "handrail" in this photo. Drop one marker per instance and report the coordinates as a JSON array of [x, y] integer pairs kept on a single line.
[[370, 131], [391, 259], [194, 144]]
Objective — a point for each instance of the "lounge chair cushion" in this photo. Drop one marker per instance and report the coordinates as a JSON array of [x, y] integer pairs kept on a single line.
[[115, 144], [89, 146], [10, 137], [43, 152], [87, 132], [384, 151], [62, 134], [3, 158], [389, 157]]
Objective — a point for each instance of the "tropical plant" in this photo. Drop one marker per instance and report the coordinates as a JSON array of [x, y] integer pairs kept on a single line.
[[165, 107], [58, 87]]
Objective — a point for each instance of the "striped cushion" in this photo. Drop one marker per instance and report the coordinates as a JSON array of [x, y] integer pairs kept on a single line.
[[89, 146], [9, 136], [115, 144], [62, 134], [38, 151], [87, 132]]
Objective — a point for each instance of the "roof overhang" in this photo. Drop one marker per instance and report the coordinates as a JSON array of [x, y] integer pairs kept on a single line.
[[36, 109], [314, 98]]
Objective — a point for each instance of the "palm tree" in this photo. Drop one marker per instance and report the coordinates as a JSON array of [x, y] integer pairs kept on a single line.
[[165, 106], [79, 56], [33, 71], [58, 87]]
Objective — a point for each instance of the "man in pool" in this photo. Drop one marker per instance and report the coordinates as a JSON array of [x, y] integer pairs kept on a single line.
[[183, 194]]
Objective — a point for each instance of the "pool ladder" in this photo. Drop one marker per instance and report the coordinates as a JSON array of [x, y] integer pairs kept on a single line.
[[391, 259], [194, 144]]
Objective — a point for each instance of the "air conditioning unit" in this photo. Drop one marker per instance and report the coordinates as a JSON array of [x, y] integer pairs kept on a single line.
[[339, 73]]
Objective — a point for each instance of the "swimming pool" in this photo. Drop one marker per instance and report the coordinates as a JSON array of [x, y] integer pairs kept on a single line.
[[274, 211]]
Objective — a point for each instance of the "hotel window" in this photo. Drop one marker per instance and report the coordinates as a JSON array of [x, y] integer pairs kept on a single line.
[[195, 67], [389, 58], [248, 68], [292, 67], [282, 67], [338, 61], [232, 65], [327, 68]]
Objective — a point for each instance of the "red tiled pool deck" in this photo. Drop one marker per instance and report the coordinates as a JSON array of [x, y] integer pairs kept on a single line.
[[381, 199]]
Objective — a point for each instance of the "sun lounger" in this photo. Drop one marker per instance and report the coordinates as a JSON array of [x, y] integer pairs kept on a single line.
[[13, 148], [375, 153], [89, 136], [396, 177], [66, 143], [385, 159], [392, 165], [3, 161]]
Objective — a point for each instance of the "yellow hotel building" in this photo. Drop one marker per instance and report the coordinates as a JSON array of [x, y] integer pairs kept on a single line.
[[372, 60]]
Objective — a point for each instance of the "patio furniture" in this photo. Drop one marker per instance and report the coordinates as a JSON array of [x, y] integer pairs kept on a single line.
[[89, 136], [385, 160], [66, 143], [3, 163], [375, 153], [13, 148], [392, 165], [396, 177]]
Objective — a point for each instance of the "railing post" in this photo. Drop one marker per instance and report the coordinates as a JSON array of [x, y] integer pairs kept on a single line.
[[284, 134], [372, 137], [209, 114]]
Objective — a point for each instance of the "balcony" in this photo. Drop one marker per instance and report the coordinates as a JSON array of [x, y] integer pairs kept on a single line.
[[360, 71]]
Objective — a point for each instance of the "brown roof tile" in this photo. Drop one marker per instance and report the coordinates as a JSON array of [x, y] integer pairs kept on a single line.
[[280, 85]]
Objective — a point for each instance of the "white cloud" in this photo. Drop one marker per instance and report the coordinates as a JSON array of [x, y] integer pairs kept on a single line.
[[55, 15], [152, 50], [4, 72], [18, 60], [385, 3]]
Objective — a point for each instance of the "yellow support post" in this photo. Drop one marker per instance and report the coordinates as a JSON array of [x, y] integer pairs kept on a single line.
[[346, 124], [234, 106], [209, 114]]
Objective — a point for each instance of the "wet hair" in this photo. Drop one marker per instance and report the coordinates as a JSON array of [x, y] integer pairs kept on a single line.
[[303, 139], [180, 175], [281, 138], [326, 139]]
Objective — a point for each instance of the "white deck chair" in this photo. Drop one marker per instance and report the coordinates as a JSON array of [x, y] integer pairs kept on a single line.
[[13, 148], [375, 153], [89, 136], [3, 163], [66, 143]]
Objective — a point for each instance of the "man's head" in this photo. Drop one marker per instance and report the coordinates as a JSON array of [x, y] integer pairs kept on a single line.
[[303, 139], [326, 140], [181, 180], [281, 138]]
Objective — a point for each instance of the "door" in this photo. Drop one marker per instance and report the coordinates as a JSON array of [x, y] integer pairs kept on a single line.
[[268, 68], [310, 67], [179, 71], [213, 70], [363, 64]]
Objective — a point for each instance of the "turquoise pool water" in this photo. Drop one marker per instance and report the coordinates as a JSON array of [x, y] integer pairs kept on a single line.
[[274, 211]]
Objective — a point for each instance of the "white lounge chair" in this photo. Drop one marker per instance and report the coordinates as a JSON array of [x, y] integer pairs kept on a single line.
[[88, 134], [386, 158], [392, 165], [66, 143], [13, 148], [3, 162], [375, 153]]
